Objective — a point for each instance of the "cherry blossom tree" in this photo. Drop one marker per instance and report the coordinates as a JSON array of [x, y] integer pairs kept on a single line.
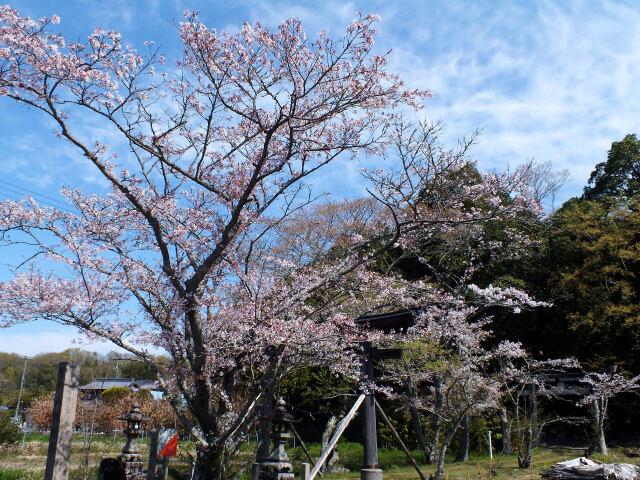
[[602, 387], [209, 166], [446, 367], [525, 381]]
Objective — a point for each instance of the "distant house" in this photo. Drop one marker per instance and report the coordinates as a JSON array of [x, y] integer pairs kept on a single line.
[[94, 390]]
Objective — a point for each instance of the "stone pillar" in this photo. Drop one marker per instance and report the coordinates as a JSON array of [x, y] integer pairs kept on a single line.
[[64, 413], [305, 473]]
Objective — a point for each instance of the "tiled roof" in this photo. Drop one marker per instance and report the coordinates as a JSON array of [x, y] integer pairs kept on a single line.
[[129, 383]]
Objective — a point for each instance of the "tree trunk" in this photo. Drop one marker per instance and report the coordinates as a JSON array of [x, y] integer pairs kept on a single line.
[[209, 464], [505, 424], [416, 424], [264, 425], [444, 446], [525, 462], [463, 454], [597, 437], [535, 423], [330, 427], [435, 434]]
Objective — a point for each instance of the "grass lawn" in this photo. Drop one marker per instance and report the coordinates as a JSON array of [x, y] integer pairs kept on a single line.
[[28, 464]]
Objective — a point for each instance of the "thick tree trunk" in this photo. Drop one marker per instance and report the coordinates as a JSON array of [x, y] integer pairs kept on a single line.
[[209, 464], [435, 433], [505, 425], [463, 453], [264, 425]]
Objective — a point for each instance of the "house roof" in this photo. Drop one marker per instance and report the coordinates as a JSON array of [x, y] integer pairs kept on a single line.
[[128, 383]]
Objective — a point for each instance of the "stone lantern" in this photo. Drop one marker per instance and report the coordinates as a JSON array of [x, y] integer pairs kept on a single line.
[[276, 465], [130, 456]]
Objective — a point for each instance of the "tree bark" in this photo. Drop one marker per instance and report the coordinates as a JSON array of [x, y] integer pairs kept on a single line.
[[209, 464], [330, 427], [435, 434], [598, 441], [463, 453], [505, 425], [416, 423], [535, 423], [443, 448], [525, 462]]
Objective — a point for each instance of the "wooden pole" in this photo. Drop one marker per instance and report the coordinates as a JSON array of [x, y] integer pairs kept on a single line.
[[164, 468], [336, 436], [399, 440], [64, 412], [370, 440], [153, 456], [304, 447]]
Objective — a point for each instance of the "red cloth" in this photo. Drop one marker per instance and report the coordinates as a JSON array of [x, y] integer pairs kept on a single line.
[[171, 448]]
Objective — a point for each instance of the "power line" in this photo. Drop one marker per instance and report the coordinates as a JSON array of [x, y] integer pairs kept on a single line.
[[10, 193], [33, 193], [12, 197]]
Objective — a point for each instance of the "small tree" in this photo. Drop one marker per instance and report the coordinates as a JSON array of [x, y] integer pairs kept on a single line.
[[525, 382], [603, 387], [9, 431]]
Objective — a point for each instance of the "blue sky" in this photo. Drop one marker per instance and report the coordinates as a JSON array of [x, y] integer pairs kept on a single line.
[[553, 81]]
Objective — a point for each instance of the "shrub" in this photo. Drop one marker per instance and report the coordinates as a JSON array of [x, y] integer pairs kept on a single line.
[[143, 394], [9, 431], [113, 395]]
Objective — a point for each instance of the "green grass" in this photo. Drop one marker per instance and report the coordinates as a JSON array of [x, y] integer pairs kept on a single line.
[[29, 465]]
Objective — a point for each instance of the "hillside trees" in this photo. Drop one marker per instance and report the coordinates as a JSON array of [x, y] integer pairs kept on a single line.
[[593, 262], [212, 158]]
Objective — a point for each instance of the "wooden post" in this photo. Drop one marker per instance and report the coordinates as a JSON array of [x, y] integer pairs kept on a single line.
[[153, 456], [370, 470], [162, 473], [64, 412]]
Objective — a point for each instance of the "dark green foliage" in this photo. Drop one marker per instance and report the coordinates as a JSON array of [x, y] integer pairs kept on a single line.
[[478, 436], [9, 431], [619, 176]]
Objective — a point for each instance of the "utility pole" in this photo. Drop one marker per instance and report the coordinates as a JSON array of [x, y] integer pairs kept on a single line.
[[24, 369]]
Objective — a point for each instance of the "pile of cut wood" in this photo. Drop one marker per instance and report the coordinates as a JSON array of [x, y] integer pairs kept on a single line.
[[584, 469]]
